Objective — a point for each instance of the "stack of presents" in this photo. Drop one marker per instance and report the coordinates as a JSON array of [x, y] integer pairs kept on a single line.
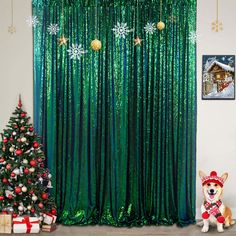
[[27, 224]]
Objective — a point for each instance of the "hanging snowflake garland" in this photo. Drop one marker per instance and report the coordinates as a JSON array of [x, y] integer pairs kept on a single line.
[[32, 21], [53, 29], [193, 37], [76, 51], [121, 30], [150, 28]]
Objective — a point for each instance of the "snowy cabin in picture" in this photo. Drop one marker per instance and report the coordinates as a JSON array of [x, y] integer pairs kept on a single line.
[[218, 80]]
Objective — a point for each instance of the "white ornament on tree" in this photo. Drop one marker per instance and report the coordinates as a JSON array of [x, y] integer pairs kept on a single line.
[[16, 171], [34, 198], [14, 133], [25, 161], [29, 207], [11, 149], [20, 208], [32, 169], [24, 189], [23, 139]]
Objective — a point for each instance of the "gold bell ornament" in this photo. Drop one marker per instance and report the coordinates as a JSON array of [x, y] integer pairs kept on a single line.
[[96, 45]]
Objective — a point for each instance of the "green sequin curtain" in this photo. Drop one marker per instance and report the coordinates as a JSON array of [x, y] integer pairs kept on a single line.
[[118, 125]]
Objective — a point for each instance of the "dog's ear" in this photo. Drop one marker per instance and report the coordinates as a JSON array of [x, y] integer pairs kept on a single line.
[[202, 174], [224, 176]]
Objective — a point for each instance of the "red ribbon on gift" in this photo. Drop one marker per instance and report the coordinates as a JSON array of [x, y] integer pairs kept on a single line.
[[51, 215], [26, 221]]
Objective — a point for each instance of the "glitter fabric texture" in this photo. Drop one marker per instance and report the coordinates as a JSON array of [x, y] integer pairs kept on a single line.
[[118, 125]]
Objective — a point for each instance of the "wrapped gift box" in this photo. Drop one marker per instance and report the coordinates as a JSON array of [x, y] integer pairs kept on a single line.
[[49, 228], [5, 224], [49, 218], [26, 224]]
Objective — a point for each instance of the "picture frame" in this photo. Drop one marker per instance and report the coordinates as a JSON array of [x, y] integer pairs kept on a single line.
[[218, 77]]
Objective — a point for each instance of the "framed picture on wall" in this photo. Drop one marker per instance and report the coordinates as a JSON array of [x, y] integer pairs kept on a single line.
[[218, 77]]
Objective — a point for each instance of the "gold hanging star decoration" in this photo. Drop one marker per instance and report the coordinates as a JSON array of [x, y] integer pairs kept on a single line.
[[137, 41], [217, 26], [11, 29], [62, 40]]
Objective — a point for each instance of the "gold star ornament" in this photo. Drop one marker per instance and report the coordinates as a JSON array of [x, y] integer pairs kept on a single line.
[[137, 41], [62, 40], [11, 29]]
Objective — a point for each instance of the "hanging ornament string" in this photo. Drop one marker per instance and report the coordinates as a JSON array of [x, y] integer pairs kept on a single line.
[[96, 44], [160, 24], [137, 40], [62, 40], [217, 25], [12, 28]]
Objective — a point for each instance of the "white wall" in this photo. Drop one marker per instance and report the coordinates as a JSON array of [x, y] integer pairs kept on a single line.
[[216, 121], [216, 129], [16, 73]]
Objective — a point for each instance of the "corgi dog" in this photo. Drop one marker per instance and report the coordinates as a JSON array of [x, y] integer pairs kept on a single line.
[[213, 210]]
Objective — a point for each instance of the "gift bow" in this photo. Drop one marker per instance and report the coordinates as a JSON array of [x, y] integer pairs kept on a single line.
[[26, 221]]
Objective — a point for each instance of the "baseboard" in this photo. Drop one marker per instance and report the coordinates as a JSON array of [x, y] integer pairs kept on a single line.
[[199, 215]]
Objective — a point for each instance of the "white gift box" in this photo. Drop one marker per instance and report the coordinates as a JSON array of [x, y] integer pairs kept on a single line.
[[49, 218], [26, 224]]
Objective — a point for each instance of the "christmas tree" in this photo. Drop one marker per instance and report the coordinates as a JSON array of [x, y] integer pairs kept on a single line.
[[24, 180]]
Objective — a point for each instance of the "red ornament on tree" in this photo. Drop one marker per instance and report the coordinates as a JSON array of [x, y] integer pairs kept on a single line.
[[40, 205], [22, 128], [2, 198], [26, 171], [4, 212], [44, 175], [30, 181], [54, 211], [8, 166], [23, 114], [14, 215], [2, 159], [33, 163], [10, 196], [35, 144], [31, 192], [11, 138], [16, 127], [15, 204], [31, 129], [44, 196], [19, 152], [18, 190], [5, 180], [13, 174], [42, 165], [5, 140], [32, 210], [40, 159]]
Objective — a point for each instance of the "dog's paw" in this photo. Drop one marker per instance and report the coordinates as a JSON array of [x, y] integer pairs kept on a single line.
[[220, 230], [232, 222], [205, 229]]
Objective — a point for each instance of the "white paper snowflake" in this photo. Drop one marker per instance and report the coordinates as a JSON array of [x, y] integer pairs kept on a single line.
[[150, 28], [32, 21], [76, 51], [121, 30], [193, 36], [53, 29]]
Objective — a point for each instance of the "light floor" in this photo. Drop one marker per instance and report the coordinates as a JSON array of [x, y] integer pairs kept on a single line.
[[142, 231]]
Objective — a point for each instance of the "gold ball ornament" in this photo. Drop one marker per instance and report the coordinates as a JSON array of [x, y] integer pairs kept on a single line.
[[160, 25], [96, 45]]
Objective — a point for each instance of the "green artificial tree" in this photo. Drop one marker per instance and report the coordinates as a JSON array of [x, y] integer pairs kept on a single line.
[[24, 180]]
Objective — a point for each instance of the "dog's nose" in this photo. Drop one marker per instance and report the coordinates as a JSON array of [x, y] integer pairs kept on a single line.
[[212, 190]]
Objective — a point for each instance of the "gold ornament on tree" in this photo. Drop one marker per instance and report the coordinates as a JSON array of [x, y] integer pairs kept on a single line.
[[62, 40], [160, 24], [137, 40], [96, 44], [12, 28], [217, 25]]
